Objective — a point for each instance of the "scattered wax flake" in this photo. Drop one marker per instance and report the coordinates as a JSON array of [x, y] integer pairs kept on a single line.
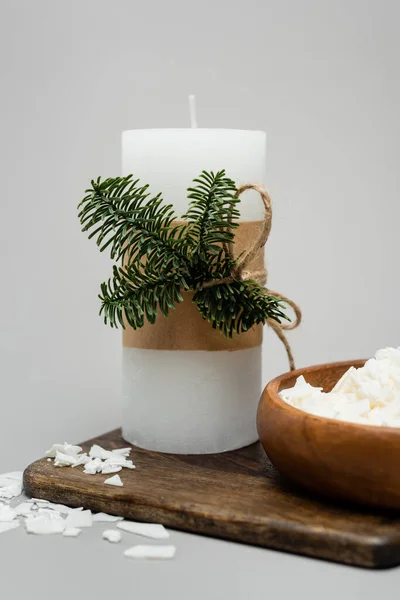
[[94, 466], [71, 531], [129, 465], [112, 535], [120, 461], [7, 513], [63, 449], [10, 485], [50, 514], [115, 480], [10, 491], [150, 552], [106, 518], [82, 459], [63, 460], [150, 530], [99, 452], [8, 526], [23, 509], [61, 508], [79, 519], [44, 525], [49, 460], [37, 500], [110, 469], [41, 504], [122, 451]]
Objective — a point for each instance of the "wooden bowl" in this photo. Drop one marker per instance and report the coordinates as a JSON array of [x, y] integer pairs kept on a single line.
[[359, 463]]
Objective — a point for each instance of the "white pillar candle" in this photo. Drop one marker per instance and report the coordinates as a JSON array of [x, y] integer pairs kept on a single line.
[[192, 401], [169, 159]]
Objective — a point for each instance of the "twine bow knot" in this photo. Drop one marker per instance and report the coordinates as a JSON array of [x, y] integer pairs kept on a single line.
[[242, 273]]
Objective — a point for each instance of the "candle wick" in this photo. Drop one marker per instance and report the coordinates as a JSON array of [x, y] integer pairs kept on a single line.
[[192, 111]]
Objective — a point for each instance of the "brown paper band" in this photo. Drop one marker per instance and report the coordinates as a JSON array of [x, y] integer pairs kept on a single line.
[[185, 329]]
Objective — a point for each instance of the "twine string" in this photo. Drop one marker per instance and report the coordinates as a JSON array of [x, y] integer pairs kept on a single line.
[[242, 273]]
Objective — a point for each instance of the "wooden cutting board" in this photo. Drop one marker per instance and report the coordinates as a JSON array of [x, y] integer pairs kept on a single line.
[[237, 496]]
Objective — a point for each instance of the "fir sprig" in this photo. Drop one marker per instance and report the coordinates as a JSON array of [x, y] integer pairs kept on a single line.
[[123, 217], [237, 306], [211, 213], [162, 257]]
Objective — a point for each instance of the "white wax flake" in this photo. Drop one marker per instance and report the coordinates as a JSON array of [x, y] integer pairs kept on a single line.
[[150, 530], [369, 395], [119, 461], [11, 491], [79, 519], [10, 485], [106, 469], [112, 535], [7, 513], [99, 459], [61, 508], [42, 504], [65, 448], [122, 451], [64, 460], [115, 480], [345, 383], [7, 526], [23, 509], [106, 518], [82, 459], [94, 466], [44, 525], [99, 452], [151, 552], [71, 531]]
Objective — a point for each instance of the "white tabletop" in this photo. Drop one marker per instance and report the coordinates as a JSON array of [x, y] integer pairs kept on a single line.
[[58, 568]]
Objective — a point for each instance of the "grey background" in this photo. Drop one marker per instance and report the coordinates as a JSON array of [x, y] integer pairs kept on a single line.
[[321, 77]]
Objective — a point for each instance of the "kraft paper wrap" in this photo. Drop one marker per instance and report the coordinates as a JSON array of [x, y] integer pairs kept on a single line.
[[185, 329]]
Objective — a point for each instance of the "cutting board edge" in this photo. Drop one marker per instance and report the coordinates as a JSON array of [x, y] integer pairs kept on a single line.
[[377, 552]]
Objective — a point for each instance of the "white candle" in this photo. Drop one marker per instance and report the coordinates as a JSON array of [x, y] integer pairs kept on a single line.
[[169, 159], [192, 401]]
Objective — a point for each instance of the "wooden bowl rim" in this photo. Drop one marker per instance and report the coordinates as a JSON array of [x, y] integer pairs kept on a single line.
[[271, 393]]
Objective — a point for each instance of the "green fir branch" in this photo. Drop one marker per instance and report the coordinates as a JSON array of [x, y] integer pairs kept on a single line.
[[238, 306], [161, 258], [121, 216], [137, 293], [212, 213]]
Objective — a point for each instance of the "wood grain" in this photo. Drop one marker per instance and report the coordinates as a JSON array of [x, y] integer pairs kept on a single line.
[[351, 462], [237, 496]]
